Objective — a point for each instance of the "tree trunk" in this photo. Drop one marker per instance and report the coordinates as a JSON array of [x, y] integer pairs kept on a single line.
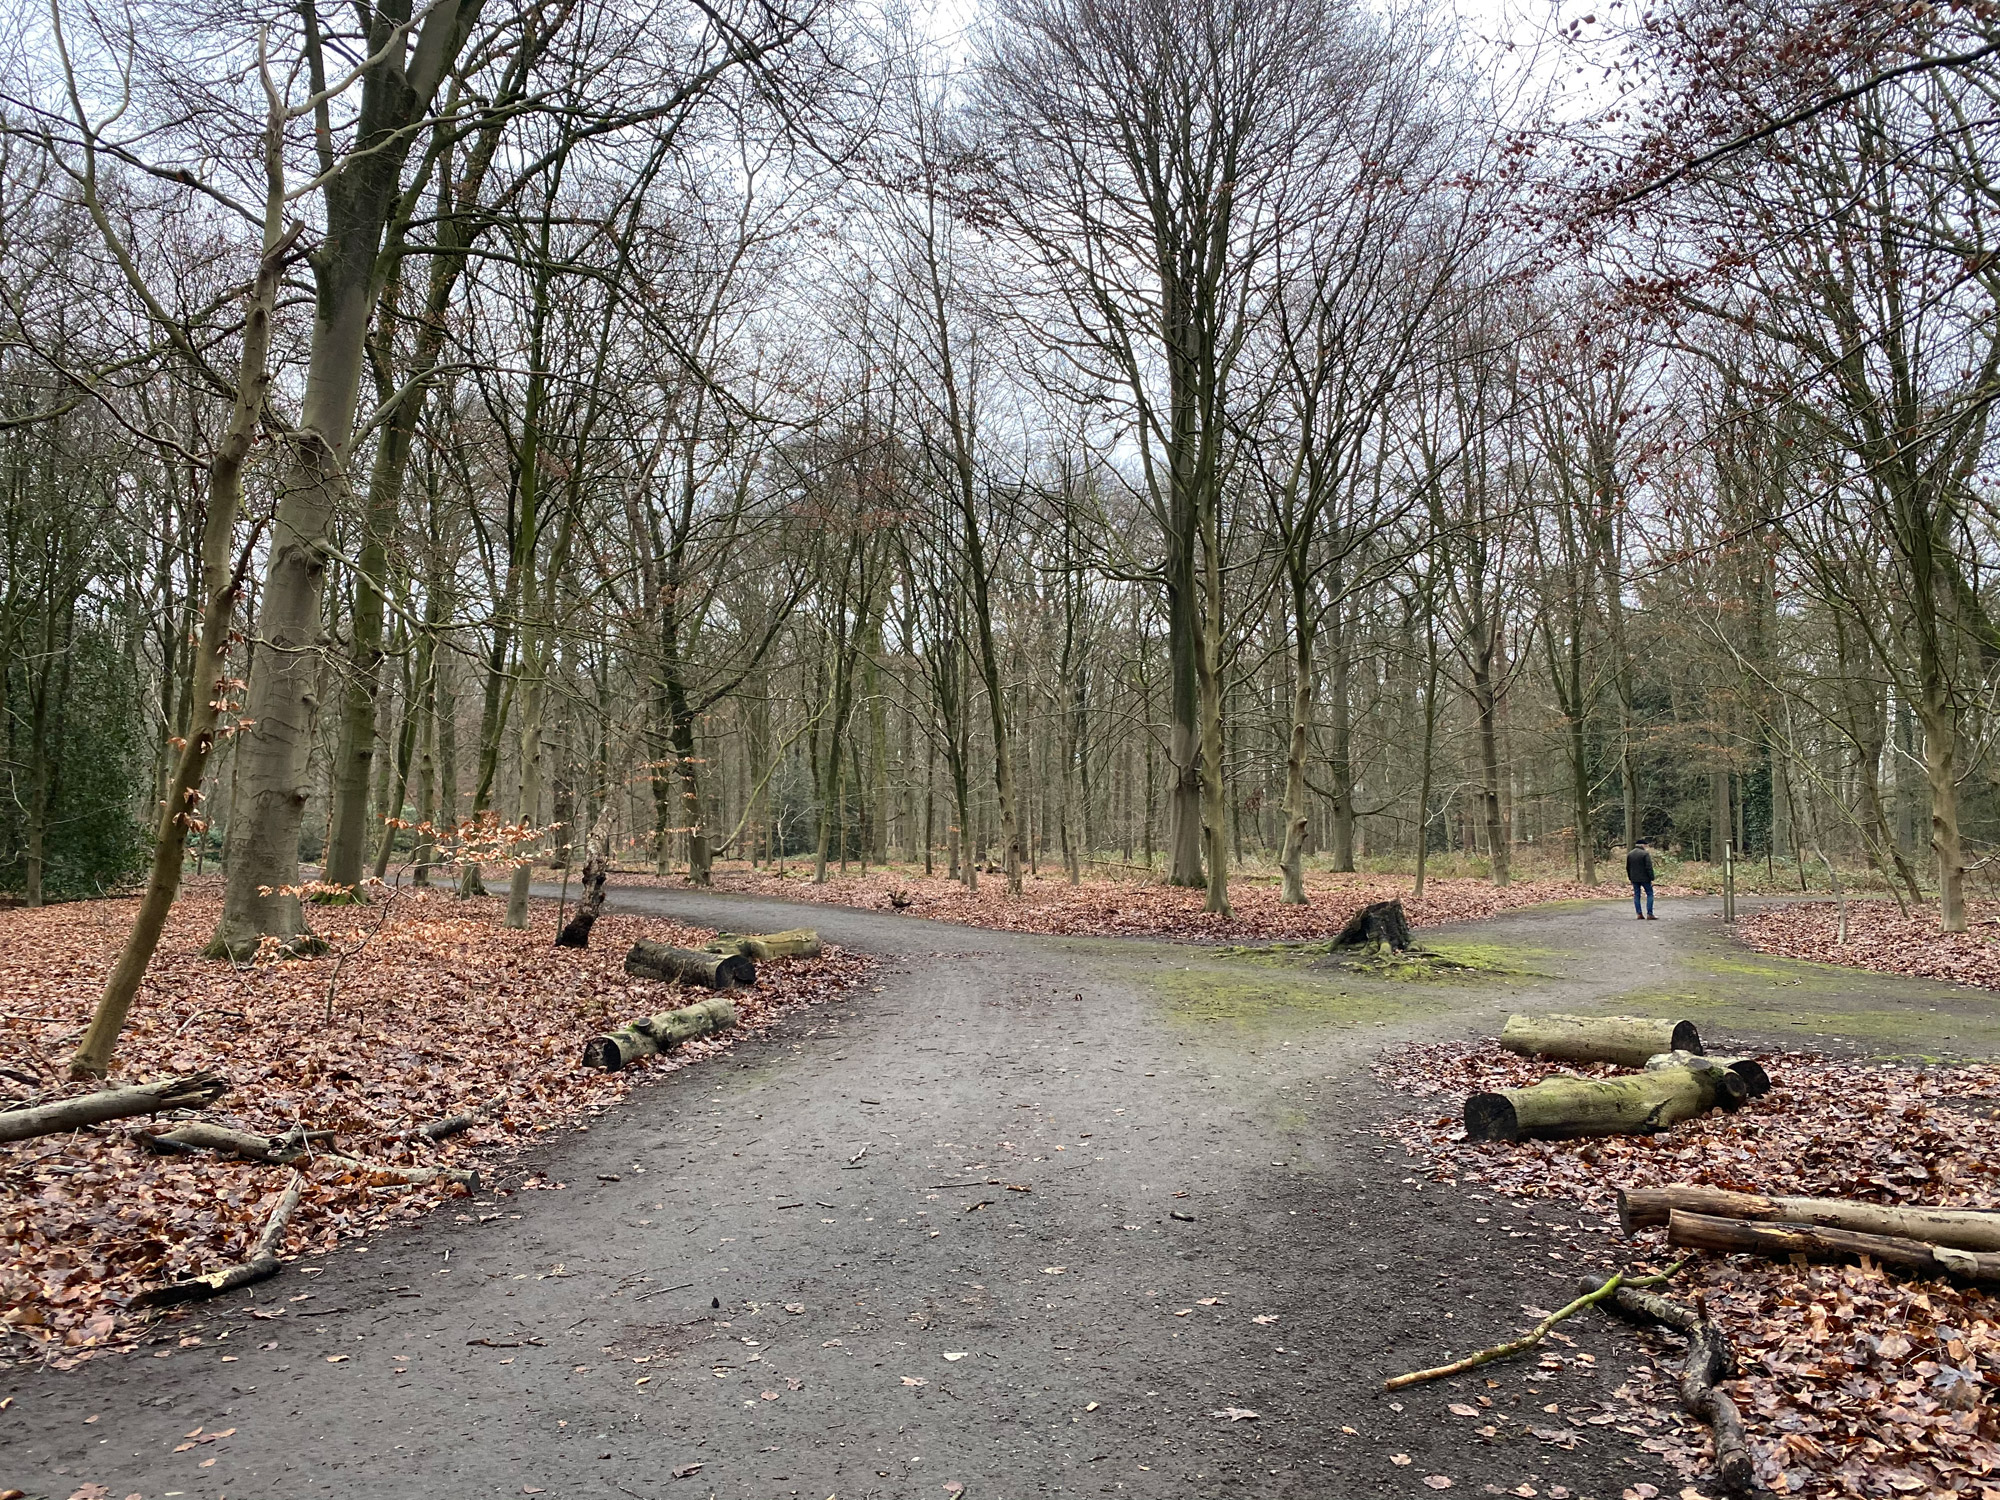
[[654, 1034], [719, 971], [1486, 708], [398, 85], [195, 1091], [1961, 1229], [1340, 744], [221, 578], [1560, 1108], [1627, 1041], [1292, 861], [1782, 1241]]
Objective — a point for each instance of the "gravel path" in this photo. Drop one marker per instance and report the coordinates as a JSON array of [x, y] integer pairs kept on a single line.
[[1020, 1219]]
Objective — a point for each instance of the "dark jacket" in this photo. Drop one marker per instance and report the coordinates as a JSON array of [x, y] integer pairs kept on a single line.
[[1639, 866]]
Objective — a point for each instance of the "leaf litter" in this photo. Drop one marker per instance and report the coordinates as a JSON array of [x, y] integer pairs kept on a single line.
[[445, 1012], [1855, 1382]]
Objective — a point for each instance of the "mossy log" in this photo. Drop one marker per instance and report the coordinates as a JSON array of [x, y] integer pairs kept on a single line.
[[652, 1034], [195, 1091], [1627, 1041], [1756, 1081], [260, 1265], [1557, 1108], [1959, 1228], [798, 942], [1782, 1241], [718, 971]]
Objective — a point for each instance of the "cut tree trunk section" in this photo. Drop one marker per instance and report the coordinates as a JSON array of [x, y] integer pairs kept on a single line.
[[1557, 1108], [1628, 1041], [797, 942], [195, 1091], [654, 1034], [261, 1264], [1781, 1241], [1376, 924], [717, 971], [1959, 1228]]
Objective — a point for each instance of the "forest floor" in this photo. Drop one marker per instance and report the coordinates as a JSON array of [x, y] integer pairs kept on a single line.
[[1882, 938], [1037, 1216], [1102, 906], [425, 1007]]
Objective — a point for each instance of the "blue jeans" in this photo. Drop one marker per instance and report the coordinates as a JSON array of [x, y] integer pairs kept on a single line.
[[1647, 887]]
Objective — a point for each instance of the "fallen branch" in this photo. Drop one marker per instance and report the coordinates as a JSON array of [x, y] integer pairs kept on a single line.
[[1710, 1361], [1781, 1241], [1513, 1346], [295, 1146], [196, 1091], [261, 1264], [1534, 1335], [1960, 1228], [653, 1034]]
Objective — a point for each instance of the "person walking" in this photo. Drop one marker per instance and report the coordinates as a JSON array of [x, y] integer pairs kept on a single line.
[[1639, 870]]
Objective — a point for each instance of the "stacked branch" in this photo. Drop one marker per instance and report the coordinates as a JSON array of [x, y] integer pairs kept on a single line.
[[1781, 1241], [1959, 1228]]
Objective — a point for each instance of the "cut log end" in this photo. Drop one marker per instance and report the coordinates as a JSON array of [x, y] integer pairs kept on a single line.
[[1490, 1117]]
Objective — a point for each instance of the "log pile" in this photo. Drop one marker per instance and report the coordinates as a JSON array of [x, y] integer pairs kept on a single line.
[[1962, 1242], [1676, 1081]]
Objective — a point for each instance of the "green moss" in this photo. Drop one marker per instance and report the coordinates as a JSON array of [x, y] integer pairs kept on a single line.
[[1211, 993]]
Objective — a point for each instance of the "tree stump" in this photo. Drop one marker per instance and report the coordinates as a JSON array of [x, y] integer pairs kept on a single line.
[[1376, 924], [589, 907]]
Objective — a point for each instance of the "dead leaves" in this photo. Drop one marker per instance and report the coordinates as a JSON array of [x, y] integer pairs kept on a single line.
[[1879, 936], [1123, 908], [445, 1011], [1855, 1383]]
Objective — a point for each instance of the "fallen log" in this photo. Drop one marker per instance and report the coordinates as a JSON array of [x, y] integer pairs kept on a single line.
[[1627, 1041], [1782, 1241], [295, 1146], [1959, 1228], [1375, 924], [195, 1091], [1756, 1081], [718, 971], [798, 942], [653, 1034], [1710, 1360], [1560, 1108], [261, 1264], [200, 1135]]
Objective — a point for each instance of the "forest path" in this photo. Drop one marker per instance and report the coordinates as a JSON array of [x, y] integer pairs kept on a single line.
[[1188, 1125]]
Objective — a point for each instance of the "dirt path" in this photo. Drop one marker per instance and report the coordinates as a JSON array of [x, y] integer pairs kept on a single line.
[[806, 1268]]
